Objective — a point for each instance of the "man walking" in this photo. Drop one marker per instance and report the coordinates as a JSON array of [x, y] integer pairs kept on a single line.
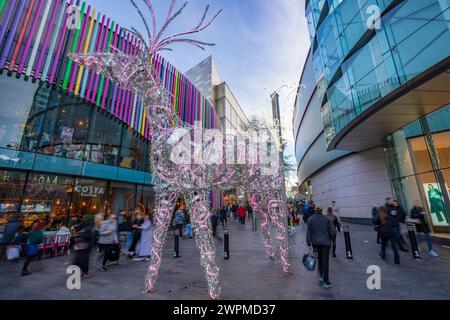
[[318, 235]]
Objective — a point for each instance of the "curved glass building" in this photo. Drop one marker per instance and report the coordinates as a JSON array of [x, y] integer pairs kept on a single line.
[[73, 142], [380, 75]]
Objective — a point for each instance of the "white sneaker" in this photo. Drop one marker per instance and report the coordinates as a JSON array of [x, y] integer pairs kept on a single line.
[[433, 254]]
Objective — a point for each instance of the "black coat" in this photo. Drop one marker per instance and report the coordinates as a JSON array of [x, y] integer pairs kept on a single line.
[[320, 230], [418, 213], [387, 228]]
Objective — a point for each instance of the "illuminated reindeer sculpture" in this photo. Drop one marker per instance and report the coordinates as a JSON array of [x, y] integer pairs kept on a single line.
[[177, 154]]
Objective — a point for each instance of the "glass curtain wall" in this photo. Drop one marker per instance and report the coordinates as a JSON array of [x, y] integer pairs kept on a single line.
[[418, 158]]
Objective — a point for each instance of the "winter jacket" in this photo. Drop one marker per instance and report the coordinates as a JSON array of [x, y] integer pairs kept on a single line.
[[320, 230], [241, 212], [11, 228], [418, 213], [387, 228], [179, 218], [108, 232], [308, 212]]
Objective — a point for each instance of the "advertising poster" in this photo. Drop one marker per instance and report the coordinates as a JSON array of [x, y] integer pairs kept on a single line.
[[67, 134], [436, 204]]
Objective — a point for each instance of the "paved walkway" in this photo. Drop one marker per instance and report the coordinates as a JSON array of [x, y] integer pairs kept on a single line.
[[247, 275]]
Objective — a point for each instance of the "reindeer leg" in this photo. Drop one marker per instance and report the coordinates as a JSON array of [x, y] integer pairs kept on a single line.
[[205, 242], [163, 214]]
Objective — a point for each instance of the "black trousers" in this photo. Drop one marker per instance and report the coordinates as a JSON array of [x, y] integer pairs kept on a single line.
[[106, 249], [242, 220], [136, 237], [323, 259], [27, 262], [82, 260], [384, 244], [179, 227]]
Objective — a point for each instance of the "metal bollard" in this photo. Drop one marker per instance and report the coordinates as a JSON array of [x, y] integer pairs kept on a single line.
[[254, 223], [413, 240], [348, 244], [226, 244], [176, 253]]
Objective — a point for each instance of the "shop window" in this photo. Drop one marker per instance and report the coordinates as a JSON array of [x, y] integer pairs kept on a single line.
[[16, 102], [103, 142], [133, 151], [122, 197], [434, 199], [441, 142], [420, 155], [65, 129], [11, 188], [89, 197], [47, 197]]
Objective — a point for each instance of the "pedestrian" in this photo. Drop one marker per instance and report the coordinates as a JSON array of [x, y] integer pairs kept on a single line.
[[83, 244], [125, 230], [10, 230], [35, 238], [223, 217], [215, 217], [398, 215], [136, 222], [375, 226], [388, 223], [178, 221], [144, 246], [98, 220], [308, 211], [241, 213], [107, 238], [418, 214], [336, 225], [188, 226], [319, 234], [402, 229], [336, 209], [249, 209]]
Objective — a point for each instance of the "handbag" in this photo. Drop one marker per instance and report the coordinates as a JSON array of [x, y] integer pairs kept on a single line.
[[32, 249], [12, 252], [309, 261]]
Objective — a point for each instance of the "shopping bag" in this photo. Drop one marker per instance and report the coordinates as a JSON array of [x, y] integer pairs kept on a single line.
[[12, 253], [309, 261]]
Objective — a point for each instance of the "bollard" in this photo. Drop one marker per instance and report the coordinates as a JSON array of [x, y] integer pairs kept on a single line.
[[176, 253], [348, 244], [254, 223], [226, 244], [413, 240]]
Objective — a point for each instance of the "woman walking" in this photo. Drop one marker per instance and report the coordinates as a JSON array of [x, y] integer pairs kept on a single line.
[[418, 214], [387, 224], [83, 244], [35, 238], [144, 246], [336, 225], [107, 237]]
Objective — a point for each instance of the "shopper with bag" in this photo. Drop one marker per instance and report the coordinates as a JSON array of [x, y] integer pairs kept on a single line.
[[35, 238], [107, 238], [319, 234], [9, 233]]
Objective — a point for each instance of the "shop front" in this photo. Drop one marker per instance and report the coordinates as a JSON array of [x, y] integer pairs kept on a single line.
[[418, 158], [64, 200]]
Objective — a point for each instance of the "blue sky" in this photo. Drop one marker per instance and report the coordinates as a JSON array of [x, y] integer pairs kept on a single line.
[[260, 46]]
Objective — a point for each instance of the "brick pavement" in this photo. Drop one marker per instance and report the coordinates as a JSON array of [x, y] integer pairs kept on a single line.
[[247, 275]]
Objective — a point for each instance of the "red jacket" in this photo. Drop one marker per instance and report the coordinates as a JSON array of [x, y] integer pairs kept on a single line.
[[241, 212]]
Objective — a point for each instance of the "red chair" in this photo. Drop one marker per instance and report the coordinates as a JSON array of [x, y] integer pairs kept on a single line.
[[62, 242], [49, 245]]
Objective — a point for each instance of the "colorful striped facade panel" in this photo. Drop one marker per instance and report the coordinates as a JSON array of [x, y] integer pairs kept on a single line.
[[36, 37]]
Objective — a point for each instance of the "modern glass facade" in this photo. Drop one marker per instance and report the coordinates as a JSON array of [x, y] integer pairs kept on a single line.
[[419, 161], [73, 142], [381, 72], [356, 66]]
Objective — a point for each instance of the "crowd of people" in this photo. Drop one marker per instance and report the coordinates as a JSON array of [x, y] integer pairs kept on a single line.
[[132, 234], [390, 223]]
